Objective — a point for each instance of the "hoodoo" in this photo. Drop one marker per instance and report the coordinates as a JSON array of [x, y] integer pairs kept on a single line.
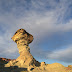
[[26, 60], [23, 39]]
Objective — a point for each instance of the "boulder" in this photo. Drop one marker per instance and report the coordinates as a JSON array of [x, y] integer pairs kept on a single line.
[[43, 63]]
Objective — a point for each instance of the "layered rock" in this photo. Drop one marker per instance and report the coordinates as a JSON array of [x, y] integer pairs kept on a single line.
[[5, 59], [70, 67], [55, 67], [23, 39], [26, 60]]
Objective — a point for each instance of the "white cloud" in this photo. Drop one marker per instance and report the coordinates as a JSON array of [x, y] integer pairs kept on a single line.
[[36, 22], [62, 54]]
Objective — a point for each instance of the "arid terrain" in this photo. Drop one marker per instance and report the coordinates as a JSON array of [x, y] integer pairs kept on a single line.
[[4, 61], [26, 62]]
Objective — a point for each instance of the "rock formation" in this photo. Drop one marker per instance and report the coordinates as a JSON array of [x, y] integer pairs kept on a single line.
[[5, 59], [69, 66], [55, 67], [26, 60], [23, 39]]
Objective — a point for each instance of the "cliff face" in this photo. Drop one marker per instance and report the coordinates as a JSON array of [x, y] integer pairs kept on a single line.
[[23, 39]]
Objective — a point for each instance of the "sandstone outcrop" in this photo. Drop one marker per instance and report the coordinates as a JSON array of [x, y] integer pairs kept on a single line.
[[5, 59], [26, 60], [69, 66], [23, 39], [55, 67]]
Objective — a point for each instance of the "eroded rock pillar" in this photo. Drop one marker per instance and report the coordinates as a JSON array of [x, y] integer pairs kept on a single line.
[[23, 39]]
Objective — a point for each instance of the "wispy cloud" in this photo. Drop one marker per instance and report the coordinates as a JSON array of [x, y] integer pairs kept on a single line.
[[62, 55], [40, 18]]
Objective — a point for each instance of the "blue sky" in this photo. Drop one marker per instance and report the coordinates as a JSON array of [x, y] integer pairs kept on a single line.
[[49, 21]]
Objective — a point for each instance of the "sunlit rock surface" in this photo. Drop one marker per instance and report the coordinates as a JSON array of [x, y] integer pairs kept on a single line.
[[23, 39], [26, 62]]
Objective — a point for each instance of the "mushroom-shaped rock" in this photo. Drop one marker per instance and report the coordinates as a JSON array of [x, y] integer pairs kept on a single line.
[[23, 39], [21, 34]]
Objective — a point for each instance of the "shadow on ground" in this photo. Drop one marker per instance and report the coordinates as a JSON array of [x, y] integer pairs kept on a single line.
[[11, 69]]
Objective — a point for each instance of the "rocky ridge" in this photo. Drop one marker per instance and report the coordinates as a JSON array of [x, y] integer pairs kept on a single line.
[[5, 59]]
